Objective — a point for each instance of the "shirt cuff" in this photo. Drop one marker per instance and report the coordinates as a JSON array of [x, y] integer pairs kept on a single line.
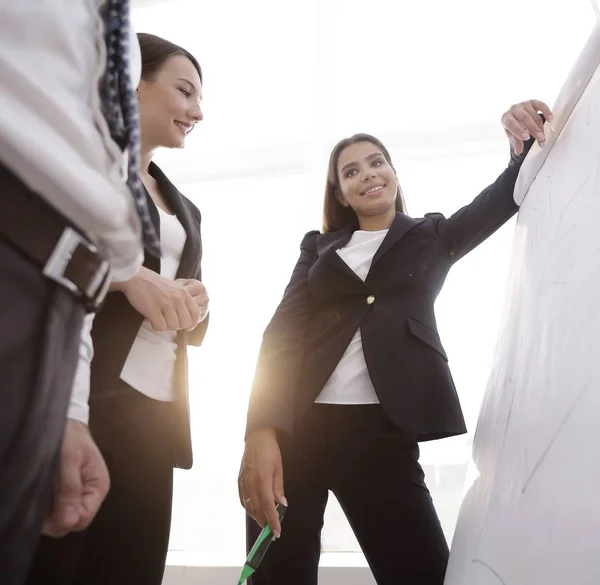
[[78, 407]]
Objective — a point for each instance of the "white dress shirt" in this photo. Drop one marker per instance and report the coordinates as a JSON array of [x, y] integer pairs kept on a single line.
[[54, 136], [350, 382]]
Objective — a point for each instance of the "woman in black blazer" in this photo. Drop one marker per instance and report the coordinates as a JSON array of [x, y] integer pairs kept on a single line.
[[352, 373], [138, 405]]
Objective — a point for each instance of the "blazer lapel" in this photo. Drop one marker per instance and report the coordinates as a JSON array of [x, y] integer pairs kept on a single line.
[[191, 248], [150, 260], [329, 243], [401, 225]]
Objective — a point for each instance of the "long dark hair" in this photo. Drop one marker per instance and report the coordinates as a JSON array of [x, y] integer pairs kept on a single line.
[[335, 215], [156, 50]]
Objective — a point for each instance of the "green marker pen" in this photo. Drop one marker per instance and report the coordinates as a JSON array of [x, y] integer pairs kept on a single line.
[[260, 547]]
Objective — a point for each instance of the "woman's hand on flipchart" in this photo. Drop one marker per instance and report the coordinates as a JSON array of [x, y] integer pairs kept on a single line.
[[165, 303], [522, 122], [260, 482]]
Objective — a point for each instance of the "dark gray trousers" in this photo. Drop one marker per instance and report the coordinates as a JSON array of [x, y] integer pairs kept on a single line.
[[40, 328]]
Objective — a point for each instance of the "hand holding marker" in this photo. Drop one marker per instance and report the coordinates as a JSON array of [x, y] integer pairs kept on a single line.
[[260, 548]]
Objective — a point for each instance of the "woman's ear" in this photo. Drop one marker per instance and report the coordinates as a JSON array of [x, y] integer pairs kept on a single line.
[[340, 198]]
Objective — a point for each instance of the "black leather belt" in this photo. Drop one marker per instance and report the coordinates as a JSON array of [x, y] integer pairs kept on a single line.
[[50, 241]]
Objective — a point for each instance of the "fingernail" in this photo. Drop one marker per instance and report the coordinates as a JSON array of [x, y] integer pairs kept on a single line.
[[550, 117], [525, 136], [284, 502], [542, 145], [276, 534]]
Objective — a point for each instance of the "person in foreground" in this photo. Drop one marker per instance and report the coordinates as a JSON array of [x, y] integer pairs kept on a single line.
[[138, 411], [71, 221], [352, 374]]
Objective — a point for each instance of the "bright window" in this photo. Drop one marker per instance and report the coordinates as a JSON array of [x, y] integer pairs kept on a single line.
[[283, 82]]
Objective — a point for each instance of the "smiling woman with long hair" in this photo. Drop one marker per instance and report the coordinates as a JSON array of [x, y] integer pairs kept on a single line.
[[138, 375], [352, 374]]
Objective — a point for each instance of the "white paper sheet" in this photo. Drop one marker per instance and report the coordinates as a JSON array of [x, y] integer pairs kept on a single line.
[[532, 517]]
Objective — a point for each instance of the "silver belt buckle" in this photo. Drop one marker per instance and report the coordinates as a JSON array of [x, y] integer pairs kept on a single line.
[[59, 259]]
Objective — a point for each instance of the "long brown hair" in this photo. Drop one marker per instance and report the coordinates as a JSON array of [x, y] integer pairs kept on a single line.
[[335, 215], [156, 50]]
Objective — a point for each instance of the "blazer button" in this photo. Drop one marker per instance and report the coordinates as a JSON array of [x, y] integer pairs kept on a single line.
[[370, 300]]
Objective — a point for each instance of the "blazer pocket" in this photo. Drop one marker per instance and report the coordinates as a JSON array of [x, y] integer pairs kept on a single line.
[[426, 335]]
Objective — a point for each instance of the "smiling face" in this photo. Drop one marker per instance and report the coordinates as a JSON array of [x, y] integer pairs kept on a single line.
[[367, 182], [169, 103]]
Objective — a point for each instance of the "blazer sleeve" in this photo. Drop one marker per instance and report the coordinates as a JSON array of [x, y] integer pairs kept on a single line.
[[196, 336], [490, 210], [282, 350]]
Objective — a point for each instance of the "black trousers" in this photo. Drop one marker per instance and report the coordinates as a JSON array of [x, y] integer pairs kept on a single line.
[[372, 468], [127, 542], [40, 328]]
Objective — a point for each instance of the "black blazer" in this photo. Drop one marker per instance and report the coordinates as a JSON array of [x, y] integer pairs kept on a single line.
[[117, 323], [325, 303]]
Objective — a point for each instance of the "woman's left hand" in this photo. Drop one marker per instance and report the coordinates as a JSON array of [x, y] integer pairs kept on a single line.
[[522, 121]]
